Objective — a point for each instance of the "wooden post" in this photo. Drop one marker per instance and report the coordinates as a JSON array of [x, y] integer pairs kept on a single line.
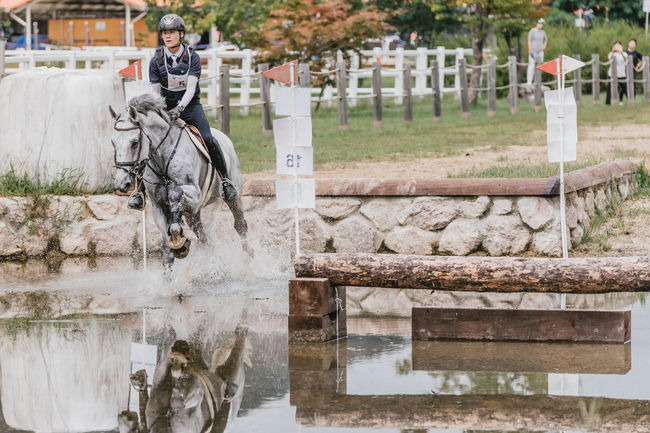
[[538, 88], [464, 97], [314, 306], [513, 94], [304, 75], [614, 83], [492, 87], [265, 96], [3, 44], [577, 86], [224, 98], [595, 77], [646, 77], [435, 87], [376, 91], [341, 84], [629, 75], [408, 94]]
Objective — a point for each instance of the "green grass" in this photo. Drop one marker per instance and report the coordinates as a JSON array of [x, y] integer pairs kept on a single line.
[[68, 182], [520, 170], [401, 141]]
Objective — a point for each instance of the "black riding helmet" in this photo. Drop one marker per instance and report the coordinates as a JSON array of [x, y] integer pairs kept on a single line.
[[171, 22]]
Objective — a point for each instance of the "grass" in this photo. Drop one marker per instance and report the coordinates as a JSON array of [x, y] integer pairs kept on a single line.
[[67, 182], [401, 141], [521, 171]]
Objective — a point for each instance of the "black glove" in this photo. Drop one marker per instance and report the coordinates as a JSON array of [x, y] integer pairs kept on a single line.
[[175, 112]]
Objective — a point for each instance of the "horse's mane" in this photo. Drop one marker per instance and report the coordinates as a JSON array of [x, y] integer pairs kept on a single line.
[[147, 103]]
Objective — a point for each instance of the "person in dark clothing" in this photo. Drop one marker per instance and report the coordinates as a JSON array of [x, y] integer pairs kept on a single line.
[[174, 72], [637, 57]]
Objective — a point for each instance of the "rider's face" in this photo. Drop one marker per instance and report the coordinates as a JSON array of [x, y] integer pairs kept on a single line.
[[171, 38]]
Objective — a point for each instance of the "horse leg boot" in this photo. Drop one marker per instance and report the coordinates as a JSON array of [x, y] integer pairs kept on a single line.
[[219, 163]]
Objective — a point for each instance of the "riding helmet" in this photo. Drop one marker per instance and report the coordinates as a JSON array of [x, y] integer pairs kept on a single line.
[[171, 22]]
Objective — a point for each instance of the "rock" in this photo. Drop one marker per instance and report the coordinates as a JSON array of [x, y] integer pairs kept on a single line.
[[576, 236], [571, 216], [624, 188], [549, 244], [9, 242], [590, 203], [411, 240], [430, 213], [337, 208], [314, 233], [13, 210], [355, 235], [461, 237], [33, 244], [67, 209], [385, 302], [114, 237], [384, 212], [103, 207], [502, 206], [474, 209], [601, 200], [536, 212], [504, 234], [74, 240]]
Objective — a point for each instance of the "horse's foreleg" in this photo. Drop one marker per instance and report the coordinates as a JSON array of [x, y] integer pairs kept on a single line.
[[161, 221], [196, 225], [241, 226]]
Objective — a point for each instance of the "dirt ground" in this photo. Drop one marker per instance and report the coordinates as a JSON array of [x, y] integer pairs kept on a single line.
[[595, 143]]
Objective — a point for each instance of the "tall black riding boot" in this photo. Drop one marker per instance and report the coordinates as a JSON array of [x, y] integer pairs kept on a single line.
[[219, 162]]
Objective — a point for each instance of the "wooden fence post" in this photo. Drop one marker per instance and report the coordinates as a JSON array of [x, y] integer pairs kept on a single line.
[[513, 94], [435, 87], [464, 97], [376, 91], [304, 75], [614, 83], [595, 78], [629, 76], [408, 93], [537, 92], [3, 43], [265, 96], [341, 84], [577, 86], [492, 87], [646, 77], [224, 99]]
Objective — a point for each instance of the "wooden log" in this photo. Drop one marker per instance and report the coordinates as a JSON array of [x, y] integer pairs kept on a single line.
[[492, 87], [464, 95], [577, 87], [224, 99], [435, 86], [341, 85], [629, 76], [614, 84], [646, 78], [313, 305], [304, 75], [408, 94], [513, 93], [265, 96], [493, 324], [521, 357], [480, 274], [595, 77], [478, 412], [376, 100], [538, 89]]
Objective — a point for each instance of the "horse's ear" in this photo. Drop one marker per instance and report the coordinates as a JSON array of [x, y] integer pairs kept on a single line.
[[113, 113], [133, 114]]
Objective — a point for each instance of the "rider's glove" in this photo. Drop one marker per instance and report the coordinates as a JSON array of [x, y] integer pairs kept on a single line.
[[175, 112]]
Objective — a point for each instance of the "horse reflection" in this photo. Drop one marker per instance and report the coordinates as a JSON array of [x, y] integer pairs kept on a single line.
[[188, 396]]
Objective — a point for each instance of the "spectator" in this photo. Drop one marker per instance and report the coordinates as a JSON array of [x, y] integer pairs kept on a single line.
[[635, 56], [537, 41], [618, 56]]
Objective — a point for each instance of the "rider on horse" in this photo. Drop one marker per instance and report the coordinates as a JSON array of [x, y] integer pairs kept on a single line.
[[174, 72]]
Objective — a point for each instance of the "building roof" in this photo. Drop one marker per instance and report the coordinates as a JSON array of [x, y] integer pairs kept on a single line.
[[72, 7]]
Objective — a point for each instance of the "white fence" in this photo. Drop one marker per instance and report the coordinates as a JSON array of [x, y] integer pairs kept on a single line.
[[244, 77]]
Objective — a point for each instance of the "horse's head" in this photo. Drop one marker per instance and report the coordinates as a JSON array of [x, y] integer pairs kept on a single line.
[[127, 140]]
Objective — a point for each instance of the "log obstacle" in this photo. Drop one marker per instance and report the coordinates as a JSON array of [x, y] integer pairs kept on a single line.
[[314, 309]]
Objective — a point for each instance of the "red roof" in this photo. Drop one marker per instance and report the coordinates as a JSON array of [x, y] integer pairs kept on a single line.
[[9, 5]]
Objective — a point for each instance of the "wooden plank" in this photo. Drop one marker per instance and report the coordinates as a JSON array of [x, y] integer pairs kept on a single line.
[[577, 87], [341, 84], [265, 95], [521, 357], [601, 173], [313, 296], [224, 99], [377, 116], [513, 93], [629, 76], [305, 328], [595, 76], [614, 85], [646, 78], [477, 412], [435, 85], [492, 86], [480, 274], [520, 325], [464, 96], [304, 75], [408, 94], [538, 89]]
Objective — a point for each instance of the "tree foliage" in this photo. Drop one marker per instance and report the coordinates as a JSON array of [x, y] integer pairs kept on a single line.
[[628, 10]]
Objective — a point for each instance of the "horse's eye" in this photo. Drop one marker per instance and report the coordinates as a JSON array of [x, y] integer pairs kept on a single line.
[[134, 143]]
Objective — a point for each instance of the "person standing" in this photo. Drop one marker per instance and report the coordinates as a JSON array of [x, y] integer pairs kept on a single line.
[[618, 56], [635, 56], [537, 41]]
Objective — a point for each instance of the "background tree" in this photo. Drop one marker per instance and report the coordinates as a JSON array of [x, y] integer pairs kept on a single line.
[[197, 19]]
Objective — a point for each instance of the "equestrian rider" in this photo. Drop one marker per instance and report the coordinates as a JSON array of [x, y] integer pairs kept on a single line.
[[174, 72]]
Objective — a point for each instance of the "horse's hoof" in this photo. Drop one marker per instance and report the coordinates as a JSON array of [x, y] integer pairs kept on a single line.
[[176, 238], [183, 251]]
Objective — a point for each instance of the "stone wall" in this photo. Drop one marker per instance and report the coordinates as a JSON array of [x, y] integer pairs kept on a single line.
[[498, 222]]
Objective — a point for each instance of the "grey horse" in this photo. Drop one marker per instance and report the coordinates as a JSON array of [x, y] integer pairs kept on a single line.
[[150, 148]]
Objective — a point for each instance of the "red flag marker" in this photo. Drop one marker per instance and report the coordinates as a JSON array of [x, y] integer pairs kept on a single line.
[[282, 73], [562, 63], [550, 67], [133, 70]]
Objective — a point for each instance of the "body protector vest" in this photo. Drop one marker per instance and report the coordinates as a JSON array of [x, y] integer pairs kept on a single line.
[[173, 80]]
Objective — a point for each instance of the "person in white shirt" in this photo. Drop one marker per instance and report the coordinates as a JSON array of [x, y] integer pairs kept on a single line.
[[618, 56], [537, 41]]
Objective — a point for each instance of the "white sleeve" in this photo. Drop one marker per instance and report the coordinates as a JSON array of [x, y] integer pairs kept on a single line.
[[191, 89], [156, 88]]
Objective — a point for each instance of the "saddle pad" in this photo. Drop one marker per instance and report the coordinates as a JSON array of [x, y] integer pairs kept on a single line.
[[198, 141], [208, 183]]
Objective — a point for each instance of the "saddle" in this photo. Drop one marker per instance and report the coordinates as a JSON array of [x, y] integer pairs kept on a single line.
[[198, 141], [202, 147]]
